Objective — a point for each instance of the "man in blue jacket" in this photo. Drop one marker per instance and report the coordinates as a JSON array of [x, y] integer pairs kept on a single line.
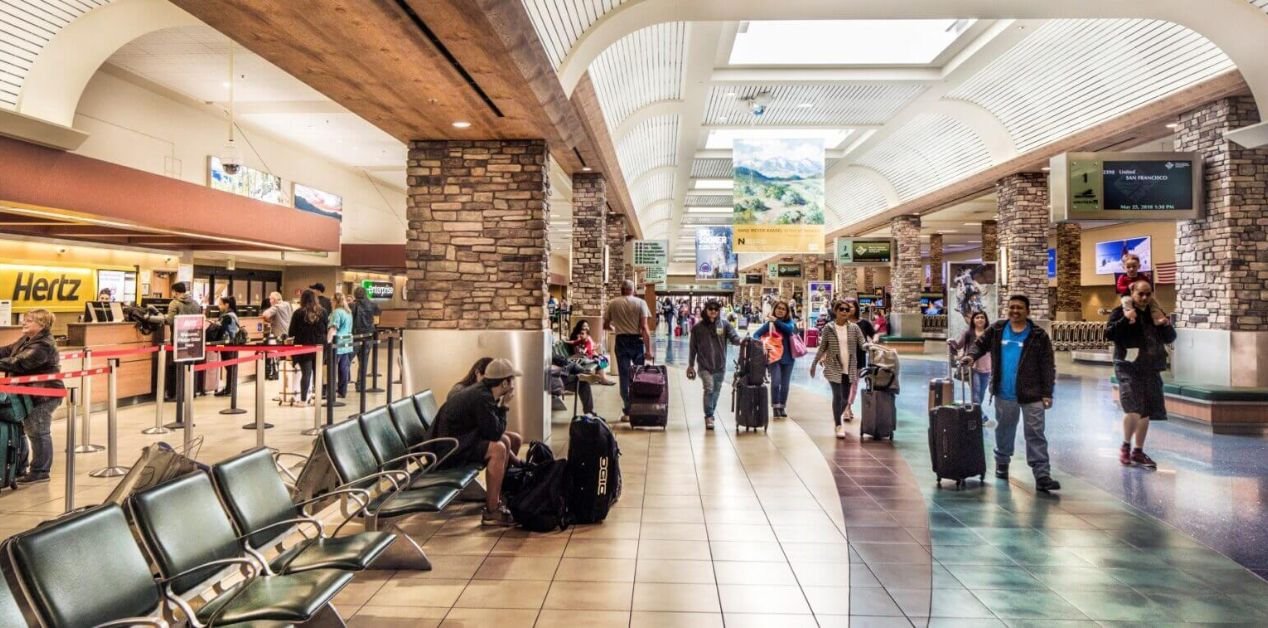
[[708, 349], [1022, 381]]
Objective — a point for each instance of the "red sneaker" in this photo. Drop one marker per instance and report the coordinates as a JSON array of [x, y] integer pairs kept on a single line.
[[1139, 457], [1125, 455]]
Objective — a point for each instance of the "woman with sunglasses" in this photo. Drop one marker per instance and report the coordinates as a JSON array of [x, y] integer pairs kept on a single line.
[[838, 352], [1140, 356]]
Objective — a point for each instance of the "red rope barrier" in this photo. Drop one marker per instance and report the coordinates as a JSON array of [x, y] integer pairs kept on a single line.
[[26, 379], [206, 366], [34, 392]]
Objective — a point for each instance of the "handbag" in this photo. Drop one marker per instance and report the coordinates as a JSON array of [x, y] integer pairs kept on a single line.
[[798, 346], [774, 346]]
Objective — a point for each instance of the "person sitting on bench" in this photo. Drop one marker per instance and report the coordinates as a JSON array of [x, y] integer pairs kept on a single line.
[[476, 417]]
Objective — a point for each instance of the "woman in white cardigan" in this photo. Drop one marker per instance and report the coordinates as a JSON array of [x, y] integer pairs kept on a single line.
[[838, 348]]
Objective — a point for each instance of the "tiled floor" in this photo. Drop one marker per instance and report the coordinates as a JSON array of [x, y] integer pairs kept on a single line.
[[788, 528]]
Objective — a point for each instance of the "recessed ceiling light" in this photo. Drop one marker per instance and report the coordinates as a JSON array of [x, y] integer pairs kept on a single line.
[[1173, 126], [805, 105], [586, 168], [1045, 169], [225, 84], [461, 124], [730, 94], [721, 118]]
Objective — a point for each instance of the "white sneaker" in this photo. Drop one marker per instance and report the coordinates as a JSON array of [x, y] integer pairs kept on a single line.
[[840, 431]]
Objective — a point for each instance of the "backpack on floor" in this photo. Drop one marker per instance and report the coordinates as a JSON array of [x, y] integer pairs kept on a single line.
[[594, 469], [541, 504], [539, 454]]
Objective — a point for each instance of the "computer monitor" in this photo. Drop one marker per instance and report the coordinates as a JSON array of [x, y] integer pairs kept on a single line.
[[99, 312]]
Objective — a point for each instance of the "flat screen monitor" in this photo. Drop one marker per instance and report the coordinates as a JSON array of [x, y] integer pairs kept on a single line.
[[1126, 186]]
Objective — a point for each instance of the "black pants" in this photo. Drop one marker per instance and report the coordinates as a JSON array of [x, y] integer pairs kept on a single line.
[[840, 398], [307, 363], [363, 360]]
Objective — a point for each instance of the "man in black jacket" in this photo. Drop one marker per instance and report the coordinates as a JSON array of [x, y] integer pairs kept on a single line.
[[476, 417], [363, 312], [1140, 356], [1023, 375], [708, 350]]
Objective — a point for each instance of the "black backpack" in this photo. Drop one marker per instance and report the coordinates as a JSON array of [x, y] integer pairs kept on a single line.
[[541, 505], [594, 469], [751, 368], [539, 454]]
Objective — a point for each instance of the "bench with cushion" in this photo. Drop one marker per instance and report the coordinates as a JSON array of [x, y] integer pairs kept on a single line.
[[1225, 409], [192, 541], [262, 511]]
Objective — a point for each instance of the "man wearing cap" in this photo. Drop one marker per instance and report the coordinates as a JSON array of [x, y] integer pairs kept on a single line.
[[476, 417], [320, 289], [709, 339]]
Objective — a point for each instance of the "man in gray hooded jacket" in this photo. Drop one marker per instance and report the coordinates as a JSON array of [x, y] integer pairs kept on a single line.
[[708, 349]]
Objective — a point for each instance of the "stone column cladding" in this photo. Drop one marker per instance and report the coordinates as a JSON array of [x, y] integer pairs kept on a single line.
[[1069, 272], [869, 279], [1222, 259], [586, 291], [908, 275], [990, 241], [935, 262], [847, 281], [477, 256], [1024, 219], [615, 230]]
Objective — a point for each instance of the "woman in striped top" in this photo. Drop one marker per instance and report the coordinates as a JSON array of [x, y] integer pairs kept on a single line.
[[838, 351]]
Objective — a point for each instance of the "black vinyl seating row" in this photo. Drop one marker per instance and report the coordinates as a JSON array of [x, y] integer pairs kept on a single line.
[[204, 533], [389, 452]]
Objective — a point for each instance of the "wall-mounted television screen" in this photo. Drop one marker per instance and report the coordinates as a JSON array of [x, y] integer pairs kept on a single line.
[[933, 304], [1126, 186], [1109, 255]]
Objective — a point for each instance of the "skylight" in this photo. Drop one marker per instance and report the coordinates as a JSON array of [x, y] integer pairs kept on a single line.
[[723, 139], [845, 42], [713, 184]]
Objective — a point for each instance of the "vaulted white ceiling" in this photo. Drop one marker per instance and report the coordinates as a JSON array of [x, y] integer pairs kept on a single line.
[[1003, 88]]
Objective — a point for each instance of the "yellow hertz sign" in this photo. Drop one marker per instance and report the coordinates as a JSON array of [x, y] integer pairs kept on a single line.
[[54, 288]]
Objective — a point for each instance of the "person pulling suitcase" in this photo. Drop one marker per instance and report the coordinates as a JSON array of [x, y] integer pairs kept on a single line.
[[709, 339], [1022, 382]]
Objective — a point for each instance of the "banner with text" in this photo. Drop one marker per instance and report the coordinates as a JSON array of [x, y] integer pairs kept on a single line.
[[651, 253], [714, 256], [779, 195]]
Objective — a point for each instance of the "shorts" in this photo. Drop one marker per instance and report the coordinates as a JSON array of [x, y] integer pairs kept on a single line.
[[1140, 391]]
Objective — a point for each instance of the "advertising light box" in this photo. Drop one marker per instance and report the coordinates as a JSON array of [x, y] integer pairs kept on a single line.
[[1126, 186], [865, 251]]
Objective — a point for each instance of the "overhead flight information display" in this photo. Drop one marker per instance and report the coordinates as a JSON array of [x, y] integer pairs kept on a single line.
[[1142, 185], [1126, 186]]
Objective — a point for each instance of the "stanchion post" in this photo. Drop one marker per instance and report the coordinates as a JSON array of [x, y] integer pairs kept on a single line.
[[70, 452], [374, 364], [260, 425], [330, 385], [317, 370], [160, 391], [85, 383], [361, 374], [112, 470], [391, 360], [188, 423], [233, 387]]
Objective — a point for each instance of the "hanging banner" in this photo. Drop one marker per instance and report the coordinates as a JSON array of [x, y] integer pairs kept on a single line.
[[779, 195], [865, 251], [714, 256], [972, 288], [651, 253]]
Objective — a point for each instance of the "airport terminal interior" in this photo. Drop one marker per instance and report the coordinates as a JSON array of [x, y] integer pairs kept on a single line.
[[637, 313]]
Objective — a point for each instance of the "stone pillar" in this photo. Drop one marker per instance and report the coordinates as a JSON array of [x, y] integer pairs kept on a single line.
[[869, 279], [1222, 259], [586, 291], [616, 255], [847, 281], [1023, 229], [935, 262], [1069, 305], [907, 277], [477, 259], [990, 241]]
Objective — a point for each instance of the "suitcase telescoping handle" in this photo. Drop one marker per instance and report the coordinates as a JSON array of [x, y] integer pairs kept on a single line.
[[967, 379]]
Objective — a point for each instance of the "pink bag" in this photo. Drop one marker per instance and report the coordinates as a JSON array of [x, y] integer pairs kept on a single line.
[[798, 345]]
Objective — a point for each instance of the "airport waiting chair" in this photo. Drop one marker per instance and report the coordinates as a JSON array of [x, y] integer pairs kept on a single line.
[[193, 543], [392, 453], [427, 408], [264, 515], [83, 570], [415, 419]]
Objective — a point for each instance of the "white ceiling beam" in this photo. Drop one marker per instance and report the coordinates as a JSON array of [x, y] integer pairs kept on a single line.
[[830, 74], [646, 112], [704, 40], [287, 106], [725, 153]]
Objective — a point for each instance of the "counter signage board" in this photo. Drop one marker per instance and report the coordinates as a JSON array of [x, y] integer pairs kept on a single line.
[[54, 288], [379, 290], [863, 251], [651, 253], [189, 343], [753, 279], [788, 271]]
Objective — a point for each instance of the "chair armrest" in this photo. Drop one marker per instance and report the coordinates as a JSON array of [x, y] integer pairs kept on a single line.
[[359, 492], [277, 462], [389, 474], [321, 529], [424, 455], [252, 566], [135, 621], [453, 442]]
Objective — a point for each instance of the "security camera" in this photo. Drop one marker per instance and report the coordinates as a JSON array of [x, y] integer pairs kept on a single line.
[[757, 104], [231, 166]]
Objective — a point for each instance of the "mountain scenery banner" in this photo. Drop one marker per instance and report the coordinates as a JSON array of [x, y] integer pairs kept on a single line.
[[779, 198], [715, 258]]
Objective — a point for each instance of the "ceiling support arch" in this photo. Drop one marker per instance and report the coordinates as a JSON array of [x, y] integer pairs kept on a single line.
[[1237, 27], [53, 87], [644, 113], [983, 123]]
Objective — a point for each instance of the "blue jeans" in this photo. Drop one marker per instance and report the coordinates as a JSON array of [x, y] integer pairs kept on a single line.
[[712, 389], [38, 425], [1007, 413], [981, 383], [780, 379], [629, 353], [345, 372]]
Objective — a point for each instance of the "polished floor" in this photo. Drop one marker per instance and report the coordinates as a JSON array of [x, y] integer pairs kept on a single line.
[[793, 527]]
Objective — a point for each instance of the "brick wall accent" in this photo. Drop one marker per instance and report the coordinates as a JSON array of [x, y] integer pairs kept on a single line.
[[586, 291], [476, 251], [1069, 269], [848, 281], [1222, 259], [908, 275], [1024, 220], [935, 262], [990, 241], [615, 241]]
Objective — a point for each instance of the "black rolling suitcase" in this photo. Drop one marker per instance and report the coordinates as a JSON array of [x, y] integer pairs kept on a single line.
[[649, 396], [880, 417], [750, 405], [955, 441]]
